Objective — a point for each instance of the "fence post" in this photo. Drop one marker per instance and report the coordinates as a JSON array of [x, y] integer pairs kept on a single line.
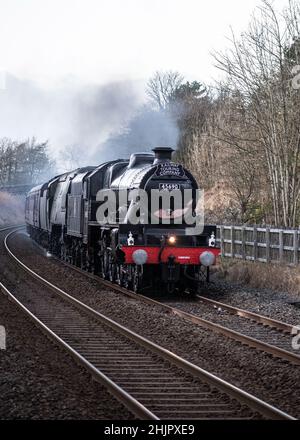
[[254, 243], [268, 249], [296, 245], [281, 246], [222, 241], [232, 241], [243, 247]]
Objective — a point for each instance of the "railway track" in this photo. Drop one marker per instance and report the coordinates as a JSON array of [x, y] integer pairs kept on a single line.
[[260, 332], [276, 335], [7, 228], [151, 381]]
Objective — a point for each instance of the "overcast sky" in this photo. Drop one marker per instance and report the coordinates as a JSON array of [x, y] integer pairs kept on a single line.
[[76, 69], [104, 40]]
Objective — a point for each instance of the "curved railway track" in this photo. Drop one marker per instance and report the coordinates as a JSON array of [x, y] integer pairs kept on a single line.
[[7, 228], [260, 332], [151, 381]]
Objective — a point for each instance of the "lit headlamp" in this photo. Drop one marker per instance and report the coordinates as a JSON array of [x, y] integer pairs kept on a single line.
[[172, 239]]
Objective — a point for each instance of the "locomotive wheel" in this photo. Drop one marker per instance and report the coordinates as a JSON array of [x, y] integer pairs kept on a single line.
[[108, 266], [104, 264], [82, 259], [137, 278], [112, 273], [71, 255], [77, 256], [90, 262], [171, 287], [119, 277], [63, 252], [74, 254], [122, 276]]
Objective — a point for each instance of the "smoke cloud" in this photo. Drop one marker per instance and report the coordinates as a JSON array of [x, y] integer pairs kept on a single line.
[[84, 124], [11, 209], [73, 114], [147, 129]]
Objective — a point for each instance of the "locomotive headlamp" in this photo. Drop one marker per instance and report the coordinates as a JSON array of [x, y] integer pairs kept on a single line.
[[140, 257], [172, 239], [207, 258], [212, 240]]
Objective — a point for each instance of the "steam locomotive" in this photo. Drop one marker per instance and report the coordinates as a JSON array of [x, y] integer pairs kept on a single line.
[[72, 216]]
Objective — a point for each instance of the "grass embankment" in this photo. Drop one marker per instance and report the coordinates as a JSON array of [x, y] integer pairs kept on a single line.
[[273, 276]]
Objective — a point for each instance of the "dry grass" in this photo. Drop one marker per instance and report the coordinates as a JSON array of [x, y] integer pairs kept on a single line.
[[218, 198], [261, 275], [11, 209], [219, 205]]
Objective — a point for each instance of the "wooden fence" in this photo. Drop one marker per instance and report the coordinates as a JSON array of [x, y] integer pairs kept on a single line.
[[260, 244]]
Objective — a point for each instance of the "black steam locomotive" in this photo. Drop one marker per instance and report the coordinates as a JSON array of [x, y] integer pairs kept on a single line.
[[66, 216]]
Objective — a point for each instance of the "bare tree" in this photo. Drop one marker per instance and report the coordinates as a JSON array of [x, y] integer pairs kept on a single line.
[[243, 178], [161, 87], [6, 159], [196, 112], [260, 68], [24, 162]]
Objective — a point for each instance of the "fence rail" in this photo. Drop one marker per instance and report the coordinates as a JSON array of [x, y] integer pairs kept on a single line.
[[260, 244]]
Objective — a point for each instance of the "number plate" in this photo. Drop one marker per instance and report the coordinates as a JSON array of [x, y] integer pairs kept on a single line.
[[169, 186]]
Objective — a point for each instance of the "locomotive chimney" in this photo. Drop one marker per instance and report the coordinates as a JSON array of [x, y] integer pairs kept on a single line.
[[162, 154]]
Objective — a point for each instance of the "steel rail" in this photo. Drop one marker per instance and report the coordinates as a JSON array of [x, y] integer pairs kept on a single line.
[[126, 399], [279, 325], [234, 392], [7, 228], [190, 317]]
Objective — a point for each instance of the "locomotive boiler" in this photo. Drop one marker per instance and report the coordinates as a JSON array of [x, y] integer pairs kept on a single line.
[[124, 221]]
